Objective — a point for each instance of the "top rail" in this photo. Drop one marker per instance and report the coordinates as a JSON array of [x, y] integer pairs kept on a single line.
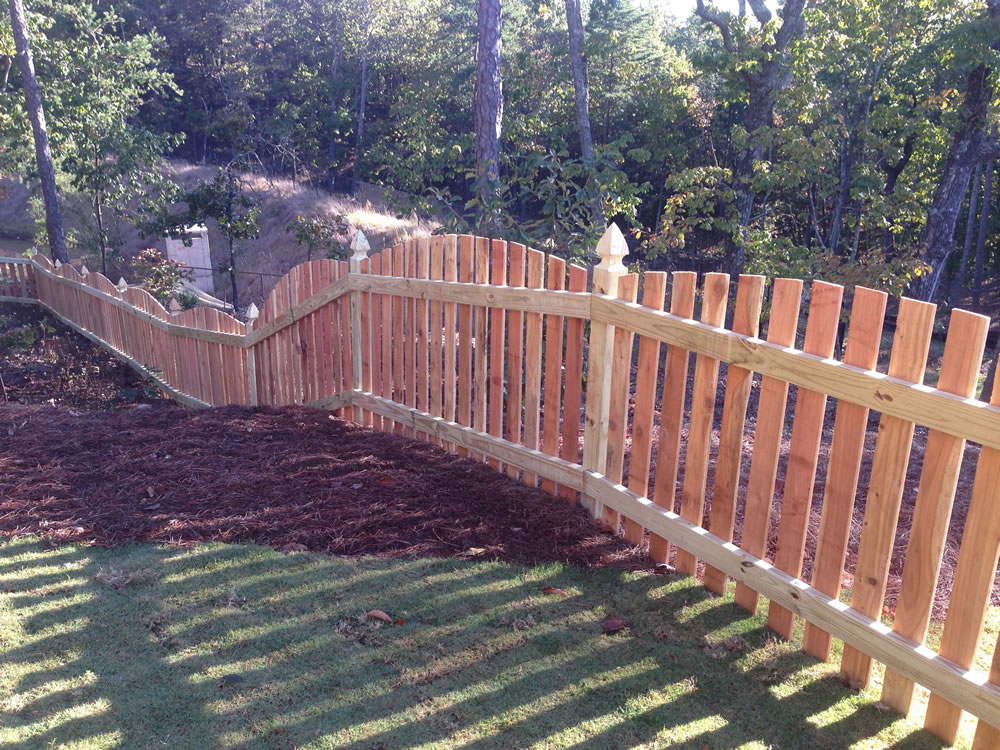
[[964, 417]]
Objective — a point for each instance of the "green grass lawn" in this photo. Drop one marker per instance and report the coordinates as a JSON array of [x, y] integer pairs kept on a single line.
[[246, 647]]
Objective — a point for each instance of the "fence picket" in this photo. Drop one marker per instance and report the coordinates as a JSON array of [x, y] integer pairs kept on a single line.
[[388, 330], [450, 332], [397, 335], [516, 253], [668, 446], [781, 329], [621, 379], [437, 268], [498, 277], [552, 401], [864, 336], [535, 279], [972, 586], [706, 381], [722, 513], [480, 375], [569, 447], [465, 342], [963, 355], [885, 492], [653, 294], [803, 452], [378, 338]]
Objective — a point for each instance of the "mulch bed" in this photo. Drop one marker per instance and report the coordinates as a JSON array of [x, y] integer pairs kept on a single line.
[[291, 477], [43, 361]]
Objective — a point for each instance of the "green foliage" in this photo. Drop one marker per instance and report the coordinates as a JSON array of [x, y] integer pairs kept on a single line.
[[321, 233], [158, 275]]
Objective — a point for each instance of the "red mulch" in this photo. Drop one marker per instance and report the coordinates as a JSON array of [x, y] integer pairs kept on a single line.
[[289, 476]]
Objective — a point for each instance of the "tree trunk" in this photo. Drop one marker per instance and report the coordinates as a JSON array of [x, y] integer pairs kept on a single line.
[[969, 147], [843, 192], [892, 173], [763, 80], [581, 89], [33, 101], [232, 277], [963, 267], [331, 170], [361, 124], [102, 244], [489, 99], [984, 223]]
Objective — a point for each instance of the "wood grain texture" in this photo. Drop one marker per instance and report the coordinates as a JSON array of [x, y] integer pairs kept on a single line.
[[480, 375], [728, 464], [675, 374], [648, 364], [450, 312], [621, 383], [428, 248], [781, 329], [803, 452], [466, 258], [498, 277], [534, 279], [569, 447], [864, 337], [517, 257], [552, 398], [972, 586], [432, 342], [706, 381], [960, 364], [885, 491]]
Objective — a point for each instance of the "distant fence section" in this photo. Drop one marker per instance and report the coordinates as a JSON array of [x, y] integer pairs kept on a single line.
[[501, 353]]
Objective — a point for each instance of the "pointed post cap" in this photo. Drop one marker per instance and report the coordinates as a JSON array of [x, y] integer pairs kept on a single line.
[[84, 270], [253, 312], [612, 247], [360, 246], [58, 263], [122, 284], [173, 306]]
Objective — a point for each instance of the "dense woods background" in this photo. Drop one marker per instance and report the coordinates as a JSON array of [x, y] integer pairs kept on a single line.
[[849, 139]]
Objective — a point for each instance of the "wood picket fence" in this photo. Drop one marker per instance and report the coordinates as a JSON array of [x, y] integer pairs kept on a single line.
[[500, 353]]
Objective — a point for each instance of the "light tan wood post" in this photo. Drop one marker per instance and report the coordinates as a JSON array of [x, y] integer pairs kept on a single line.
[[612, 248], [360, 248], [252, 314]]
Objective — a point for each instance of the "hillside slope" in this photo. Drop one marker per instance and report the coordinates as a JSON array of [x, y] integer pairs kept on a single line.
[[262, 260]]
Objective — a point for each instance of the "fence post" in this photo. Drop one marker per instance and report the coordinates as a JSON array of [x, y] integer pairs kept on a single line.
[[612, 248], [252, 314], [360, 247]]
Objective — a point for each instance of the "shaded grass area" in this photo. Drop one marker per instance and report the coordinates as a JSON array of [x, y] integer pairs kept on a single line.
[[242, 646]]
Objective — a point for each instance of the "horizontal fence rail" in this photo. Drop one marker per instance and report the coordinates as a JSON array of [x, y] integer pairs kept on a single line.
[[631, 394]]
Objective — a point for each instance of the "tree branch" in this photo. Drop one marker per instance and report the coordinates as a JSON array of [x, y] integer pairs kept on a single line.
[[760, 10], [727, 38], [791, 18]]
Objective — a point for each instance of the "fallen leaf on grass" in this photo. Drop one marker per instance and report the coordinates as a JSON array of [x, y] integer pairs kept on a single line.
[[399, 621], [295, 547], [474, 552], [614, 625], [378, 614], [554, 590]]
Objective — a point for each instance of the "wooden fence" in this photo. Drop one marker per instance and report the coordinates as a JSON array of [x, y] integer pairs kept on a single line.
[[500, 353]]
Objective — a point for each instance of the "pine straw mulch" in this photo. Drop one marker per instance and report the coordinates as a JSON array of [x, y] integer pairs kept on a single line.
[[293, 478]]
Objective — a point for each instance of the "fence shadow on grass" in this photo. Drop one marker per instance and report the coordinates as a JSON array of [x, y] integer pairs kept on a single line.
[[218, 646]]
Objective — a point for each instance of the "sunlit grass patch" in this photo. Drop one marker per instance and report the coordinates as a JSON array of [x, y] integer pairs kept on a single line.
[[242, 646]]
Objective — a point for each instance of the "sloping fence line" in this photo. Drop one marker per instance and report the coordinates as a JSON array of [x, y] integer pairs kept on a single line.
[[494, 350]]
